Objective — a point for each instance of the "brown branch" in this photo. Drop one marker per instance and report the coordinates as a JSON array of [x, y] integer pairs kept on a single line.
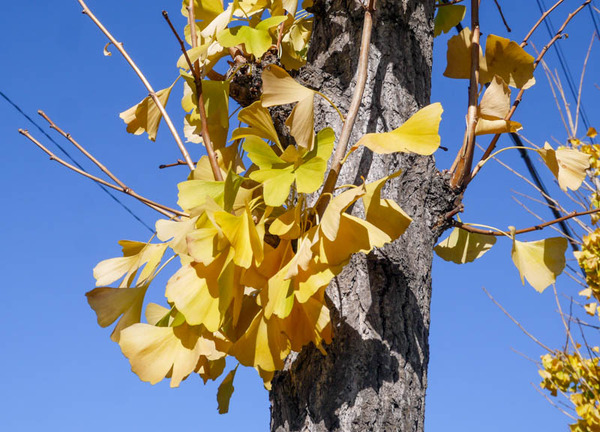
[[167, 211], [178, 163], [532, 337], [475, 230], [540, 21], [502, 16], [151, 92], [361, 80], [464, 159], [557, 36], [196, 71], [82, 149]]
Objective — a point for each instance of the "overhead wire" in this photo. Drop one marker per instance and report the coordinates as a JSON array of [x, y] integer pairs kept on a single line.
[[67, 154]]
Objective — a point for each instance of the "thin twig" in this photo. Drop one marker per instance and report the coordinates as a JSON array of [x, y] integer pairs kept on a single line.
[[541, 20], [502, 16], [472, 229], [464, 159], [195, 69], [361, 80], [82, 149], [532, 337], [585, 62], [554, 404], [169, 212], [178, 163], [559, 34], [151, 92]]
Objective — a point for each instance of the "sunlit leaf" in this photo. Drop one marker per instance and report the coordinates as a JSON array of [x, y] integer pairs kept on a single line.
[[459, 57], [135, 255], [175, 232], [259, 123], [508, 60], [418, 134], [540, 262], [155, 352], [194, 298], [591, 133], [462, 246], [256, 40], [279, 88], [569, 166], [145, 116]]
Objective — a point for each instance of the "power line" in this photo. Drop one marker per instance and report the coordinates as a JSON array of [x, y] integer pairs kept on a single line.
[[66, 153]]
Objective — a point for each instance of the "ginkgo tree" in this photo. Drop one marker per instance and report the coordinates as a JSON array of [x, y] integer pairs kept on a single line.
[[326, 193]]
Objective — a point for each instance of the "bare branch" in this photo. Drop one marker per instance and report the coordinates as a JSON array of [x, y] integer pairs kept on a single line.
[[532, 337], [464, 159], [166, 211], [151, 92], [541, 20], [502, 16], [472, 229]]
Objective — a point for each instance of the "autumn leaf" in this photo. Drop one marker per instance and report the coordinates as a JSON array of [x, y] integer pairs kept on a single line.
[[540, 262], [135, 256], [448, 17], [225, 391], [463, 247], [569, 166], [418, 134], [279, 88], [256, 40], [494, 107], [145, 116], [459, 56], [110, 303], [155, 352], [508, 60]]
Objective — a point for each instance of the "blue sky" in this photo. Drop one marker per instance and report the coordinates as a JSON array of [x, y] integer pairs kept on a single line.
[[62, 372]]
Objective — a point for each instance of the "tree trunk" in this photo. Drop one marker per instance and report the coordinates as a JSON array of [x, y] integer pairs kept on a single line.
[[375, 374]]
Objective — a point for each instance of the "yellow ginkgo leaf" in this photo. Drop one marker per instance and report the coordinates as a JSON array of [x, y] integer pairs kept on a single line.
[[508, 60], [135, 255], [591, 133], [195, 193], [194, 297], [308, 322], [262, 345], [330, 222], [145, 116], [174, 232], [256, 40], [259, 123], [279, 88], [211, 369], [495, 102], [385, 214], [569, 166], [462, 246], [110, 303], [287, 226], [459, 57], [154, 313], [244, 237], [155, 351], [418, 134], [540, 262], [487, 126], [225, 391], [448, 17]]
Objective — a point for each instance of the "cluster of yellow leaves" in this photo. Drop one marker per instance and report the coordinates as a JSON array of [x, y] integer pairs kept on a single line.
[[589, 260], [255, 256], [578, 379]]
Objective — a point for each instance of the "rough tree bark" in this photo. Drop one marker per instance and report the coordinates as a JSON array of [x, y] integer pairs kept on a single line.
[[375, 374]]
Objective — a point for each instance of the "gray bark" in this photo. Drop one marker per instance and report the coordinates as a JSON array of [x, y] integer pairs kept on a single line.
[[375, 374]]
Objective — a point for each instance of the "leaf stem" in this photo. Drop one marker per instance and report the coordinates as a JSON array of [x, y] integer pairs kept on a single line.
[[151, 92]]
